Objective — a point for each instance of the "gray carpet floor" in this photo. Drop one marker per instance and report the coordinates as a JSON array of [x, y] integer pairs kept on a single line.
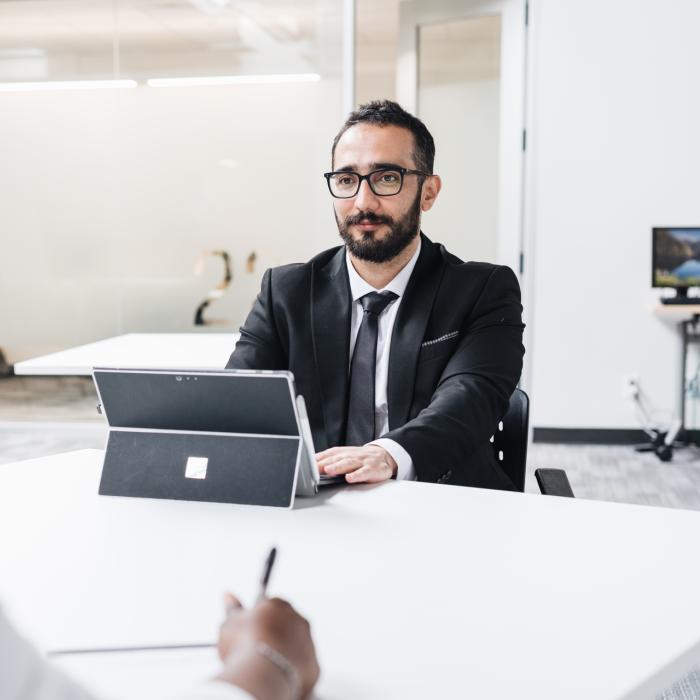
[[46, 415], [41, 416]]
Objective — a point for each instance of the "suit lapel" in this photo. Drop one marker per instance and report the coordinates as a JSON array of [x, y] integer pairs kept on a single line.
[[409, 331], [330, 318]]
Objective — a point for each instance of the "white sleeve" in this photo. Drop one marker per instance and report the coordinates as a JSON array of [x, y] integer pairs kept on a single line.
[[405, 471], [215, 690], [26, 675]]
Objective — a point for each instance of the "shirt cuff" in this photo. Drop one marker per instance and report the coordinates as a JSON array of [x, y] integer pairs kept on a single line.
[[405, 471]]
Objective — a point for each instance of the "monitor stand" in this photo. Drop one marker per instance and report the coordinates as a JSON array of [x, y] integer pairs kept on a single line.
[[681, 298]]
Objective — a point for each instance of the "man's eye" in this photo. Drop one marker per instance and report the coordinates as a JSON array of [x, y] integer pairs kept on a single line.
[[389, 178], [345, 181]]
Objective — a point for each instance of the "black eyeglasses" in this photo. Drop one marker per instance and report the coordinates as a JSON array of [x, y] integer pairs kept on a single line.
[[384, 182]]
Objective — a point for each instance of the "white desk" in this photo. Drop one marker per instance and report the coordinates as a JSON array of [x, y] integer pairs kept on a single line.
[[676, 312], [414, 590], [162, 350]]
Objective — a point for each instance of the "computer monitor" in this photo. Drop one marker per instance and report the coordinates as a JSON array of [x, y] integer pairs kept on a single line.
[[676, 259]]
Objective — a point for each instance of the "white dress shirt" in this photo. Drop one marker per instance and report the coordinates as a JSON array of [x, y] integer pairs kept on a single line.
[[26, 675], [358, 288]]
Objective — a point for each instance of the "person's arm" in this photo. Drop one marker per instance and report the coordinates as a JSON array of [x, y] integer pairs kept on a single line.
[[259, 346], [268, 650], [267, 654], [405, 470], [470, 398], [474, 388]]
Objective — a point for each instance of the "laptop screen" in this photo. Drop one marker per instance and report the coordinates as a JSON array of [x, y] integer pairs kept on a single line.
[[224, 402]]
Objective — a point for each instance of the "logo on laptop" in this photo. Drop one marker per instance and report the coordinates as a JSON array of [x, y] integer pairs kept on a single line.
[[196, 468]]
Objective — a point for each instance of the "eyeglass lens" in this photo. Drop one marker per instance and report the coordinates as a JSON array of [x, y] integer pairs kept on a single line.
[[381, 182]]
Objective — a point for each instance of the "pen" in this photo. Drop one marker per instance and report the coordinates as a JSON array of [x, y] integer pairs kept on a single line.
[[267, 570]]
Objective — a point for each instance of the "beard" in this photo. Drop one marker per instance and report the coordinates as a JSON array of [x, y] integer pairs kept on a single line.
[[400, 235]]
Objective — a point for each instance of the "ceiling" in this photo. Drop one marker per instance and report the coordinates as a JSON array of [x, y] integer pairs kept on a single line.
[[93, 39], [82, 38]]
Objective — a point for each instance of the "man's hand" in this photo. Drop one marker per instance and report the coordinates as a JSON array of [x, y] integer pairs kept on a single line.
[[369, 463], [276, 625]]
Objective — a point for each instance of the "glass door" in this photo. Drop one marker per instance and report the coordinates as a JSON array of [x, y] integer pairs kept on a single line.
[[461, 68]]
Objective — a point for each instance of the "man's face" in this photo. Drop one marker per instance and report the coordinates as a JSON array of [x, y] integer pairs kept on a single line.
[[377, 228]]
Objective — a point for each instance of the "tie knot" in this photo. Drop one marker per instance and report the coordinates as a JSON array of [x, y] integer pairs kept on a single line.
[[375, 303]]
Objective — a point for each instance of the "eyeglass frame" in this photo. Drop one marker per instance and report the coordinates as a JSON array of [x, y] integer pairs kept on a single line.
[[402, 171]]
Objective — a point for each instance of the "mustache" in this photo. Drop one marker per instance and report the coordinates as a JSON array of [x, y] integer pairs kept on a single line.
[[369, 216]]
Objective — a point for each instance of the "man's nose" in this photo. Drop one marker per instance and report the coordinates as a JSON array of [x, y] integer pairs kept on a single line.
[[365, 199]]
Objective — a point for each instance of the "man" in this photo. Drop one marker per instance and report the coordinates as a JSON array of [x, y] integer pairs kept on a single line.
[[267, 654], [406, 356]]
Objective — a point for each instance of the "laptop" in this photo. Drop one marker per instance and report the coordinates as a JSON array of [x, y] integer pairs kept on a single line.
[[227, 436]]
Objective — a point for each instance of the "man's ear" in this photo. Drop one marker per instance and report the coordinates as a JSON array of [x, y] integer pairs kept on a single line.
[[430, 191]]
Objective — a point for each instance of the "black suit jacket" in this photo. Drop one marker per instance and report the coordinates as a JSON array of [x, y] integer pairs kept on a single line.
[[455, 358]]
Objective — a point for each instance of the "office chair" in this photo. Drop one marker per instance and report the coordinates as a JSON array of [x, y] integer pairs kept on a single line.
[[510, 445], [6, 369], [510, 440], [553, 482]]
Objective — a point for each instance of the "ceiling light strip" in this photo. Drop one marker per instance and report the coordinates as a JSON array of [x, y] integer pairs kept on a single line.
[[235, 80]]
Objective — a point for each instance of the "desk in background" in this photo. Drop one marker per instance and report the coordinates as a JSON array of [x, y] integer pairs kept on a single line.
[[414, 590], [137, 350]]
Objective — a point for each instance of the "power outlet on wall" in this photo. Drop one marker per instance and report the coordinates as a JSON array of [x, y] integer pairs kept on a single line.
[[630, 386]]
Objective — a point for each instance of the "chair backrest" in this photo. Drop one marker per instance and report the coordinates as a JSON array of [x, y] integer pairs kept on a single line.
[[510, 440]]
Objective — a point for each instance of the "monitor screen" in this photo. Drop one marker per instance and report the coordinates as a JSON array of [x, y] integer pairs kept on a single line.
[[676, 257]]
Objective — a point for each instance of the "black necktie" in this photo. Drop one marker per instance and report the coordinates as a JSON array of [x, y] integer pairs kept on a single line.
[[360, 428]]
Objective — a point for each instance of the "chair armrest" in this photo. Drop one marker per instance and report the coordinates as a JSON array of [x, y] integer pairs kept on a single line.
[[553, 482]]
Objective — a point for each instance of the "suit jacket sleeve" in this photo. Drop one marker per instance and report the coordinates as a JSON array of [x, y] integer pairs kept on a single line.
[[473, 391], [259, 346]]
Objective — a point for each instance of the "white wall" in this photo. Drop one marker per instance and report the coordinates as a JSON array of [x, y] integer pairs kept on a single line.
[[108, 197], [615, 148]]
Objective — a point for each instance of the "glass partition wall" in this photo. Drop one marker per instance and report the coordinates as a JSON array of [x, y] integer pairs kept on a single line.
[[459, 96], [142, 139]]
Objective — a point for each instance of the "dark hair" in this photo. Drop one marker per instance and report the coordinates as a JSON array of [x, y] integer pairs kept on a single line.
[[388, 113]]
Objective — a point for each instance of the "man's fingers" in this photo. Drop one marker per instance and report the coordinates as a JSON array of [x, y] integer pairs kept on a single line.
[[336, 453], [359, 461], [329, 452], [343, 466], [323, 459], [369, 474], [330, 461]]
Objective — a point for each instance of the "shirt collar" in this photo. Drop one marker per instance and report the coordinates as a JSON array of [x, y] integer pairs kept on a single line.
[[358, 286]]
